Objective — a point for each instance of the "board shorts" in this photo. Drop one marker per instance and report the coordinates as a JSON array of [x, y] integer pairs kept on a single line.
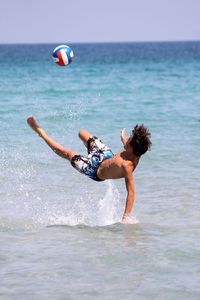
[[97, 153]]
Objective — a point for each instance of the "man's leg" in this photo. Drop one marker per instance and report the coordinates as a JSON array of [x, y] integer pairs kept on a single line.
[[57, 148], [84, 136]]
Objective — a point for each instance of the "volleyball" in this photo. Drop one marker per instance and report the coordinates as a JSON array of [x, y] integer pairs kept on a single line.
[[63, 55]]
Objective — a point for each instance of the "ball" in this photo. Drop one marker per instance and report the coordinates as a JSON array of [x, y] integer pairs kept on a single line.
[[63, 55]]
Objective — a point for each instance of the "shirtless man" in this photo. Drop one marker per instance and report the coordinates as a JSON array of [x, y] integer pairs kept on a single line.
[[101, 163]]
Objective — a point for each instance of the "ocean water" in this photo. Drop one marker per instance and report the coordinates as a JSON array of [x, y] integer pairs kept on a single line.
[[60, 232]]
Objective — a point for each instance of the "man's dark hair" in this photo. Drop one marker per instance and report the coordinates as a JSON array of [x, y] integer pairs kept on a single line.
[[140, 141]]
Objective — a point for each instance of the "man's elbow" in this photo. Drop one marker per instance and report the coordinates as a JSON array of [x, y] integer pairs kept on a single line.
[[131, 193]]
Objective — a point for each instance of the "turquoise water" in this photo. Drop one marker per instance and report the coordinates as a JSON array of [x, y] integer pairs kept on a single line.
[[59, 231]]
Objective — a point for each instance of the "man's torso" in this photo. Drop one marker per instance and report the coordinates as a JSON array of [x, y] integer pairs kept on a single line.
[[113, 168]]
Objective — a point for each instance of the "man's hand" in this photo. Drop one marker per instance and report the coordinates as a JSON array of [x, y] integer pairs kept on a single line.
[[123, 136], [124, 219], [129, 220]]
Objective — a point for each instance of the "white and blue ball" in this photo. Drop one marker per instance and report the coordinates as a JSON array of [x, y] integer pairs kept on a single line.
[[63, 55]]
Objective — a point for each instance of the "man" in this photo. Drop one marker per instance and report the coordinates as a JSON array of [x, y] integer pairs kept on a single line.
[[101, 163]]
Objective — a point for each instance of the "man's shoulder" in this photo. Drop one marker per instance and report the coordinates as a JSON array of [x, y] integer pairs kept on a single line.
[[128, 165]]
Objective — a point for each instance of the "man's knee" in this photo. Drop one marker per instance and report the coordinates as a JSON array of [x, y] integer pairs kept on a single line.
[[83, 134]]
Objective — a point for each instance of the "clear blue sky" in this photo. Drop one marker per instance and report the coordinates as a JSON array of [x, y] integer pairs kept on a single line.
[[43, 21]]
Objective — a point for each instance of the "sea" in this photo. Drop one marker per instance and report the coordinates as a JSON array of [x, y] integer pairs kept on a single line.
[[60, 232]]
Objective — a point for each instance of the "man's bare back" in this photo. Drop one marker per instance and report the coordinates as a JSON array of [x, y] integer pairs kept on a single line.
[[101, 164]]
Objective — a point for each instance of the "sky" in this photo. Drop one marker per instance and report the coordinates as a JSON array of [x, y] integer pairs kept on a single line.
[[50, 21]]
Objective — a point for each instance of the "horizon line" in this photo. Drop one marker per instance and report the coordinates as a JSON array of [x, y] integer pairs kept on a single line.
[[102, 42]]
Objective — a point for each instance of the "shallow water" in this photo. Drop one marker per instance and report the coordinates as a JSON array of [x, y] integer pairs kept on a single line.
[[144, 261], [59, 231]]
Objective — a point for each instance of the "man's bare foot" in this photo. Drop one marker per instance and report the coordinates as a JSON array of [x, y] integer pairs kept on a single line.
[[34, 125]]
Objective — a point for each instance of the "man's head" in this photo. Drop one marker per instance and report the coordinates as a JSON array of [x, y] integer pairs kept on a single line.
[[140, 140]]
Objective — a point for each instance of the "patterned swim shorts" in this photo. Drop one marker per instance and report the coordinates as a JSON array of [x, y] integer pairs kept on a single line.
[[97, 152]]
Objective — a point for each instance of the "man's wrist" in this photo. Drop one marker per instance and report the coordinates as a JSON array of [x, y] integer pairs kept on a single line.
[[125, 216]]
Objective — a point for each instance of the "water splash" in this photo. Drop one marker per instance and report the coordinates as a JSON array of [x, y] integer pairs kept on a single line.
[[109, 206], [84, 211]]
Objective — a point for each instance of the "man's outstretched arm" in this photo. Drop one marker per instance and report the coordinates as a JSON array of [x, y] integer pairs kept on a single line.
[[130, 192]]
